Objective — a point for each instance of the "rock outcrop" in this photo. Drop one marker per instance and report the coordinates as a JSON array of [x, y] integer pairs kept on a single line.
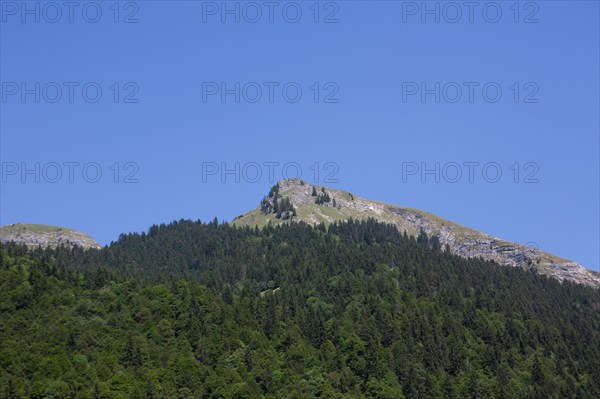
[[34, 235]]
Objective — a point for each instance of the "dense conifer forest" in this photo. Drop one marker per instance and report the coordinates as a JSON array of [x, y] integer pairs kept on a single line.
[[352, 310]]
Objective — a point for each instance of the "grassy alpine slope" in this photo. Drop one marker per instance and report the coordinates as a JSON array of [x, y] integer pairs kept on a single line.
[[338, 205], [43, 235]]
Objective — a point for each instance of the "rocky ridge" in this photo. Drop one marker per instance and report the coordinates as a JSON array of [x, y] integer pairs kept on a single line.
[[34, 235], [318, 204]]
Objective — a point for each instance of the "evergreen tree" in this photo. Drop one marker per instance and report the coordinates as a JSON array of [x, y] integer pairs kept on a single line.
[[352, 309]]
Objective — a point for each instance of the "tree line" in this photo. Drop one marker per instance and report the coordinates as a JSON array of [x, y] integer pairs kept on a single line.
[[350, 310]]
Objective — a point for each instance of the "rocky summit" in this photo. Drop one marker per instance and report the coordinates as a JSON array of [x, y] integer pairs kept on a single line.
[[34, 235], [294, 200]]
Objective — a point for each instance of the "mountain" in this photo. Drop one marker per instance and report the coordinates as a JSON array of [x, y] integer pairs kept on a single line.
[[355, 310], [296, 200], [34, 235]]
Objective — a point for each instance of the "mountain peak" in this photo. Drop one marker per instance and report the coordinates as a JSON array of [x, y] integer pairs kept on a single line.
[[34, 235], [292, 182], [294, 200]]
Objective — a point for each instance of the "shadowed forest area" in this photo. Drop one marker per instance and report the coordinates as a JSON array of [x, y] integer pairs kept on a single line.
[[351, 310]]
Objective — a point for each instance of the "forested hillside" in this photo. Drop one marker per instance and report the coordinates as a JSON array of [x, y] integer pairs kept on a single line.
[[352, 310]]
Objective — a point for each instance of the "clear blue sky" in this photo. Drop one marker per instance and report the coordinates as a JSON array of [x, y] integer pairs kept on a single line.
[[369, 63]]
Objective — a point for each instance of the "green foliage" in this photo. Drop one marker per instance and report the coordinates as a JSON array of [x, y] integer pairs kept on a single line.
[[354, 310], [323, 197], [281, 206]]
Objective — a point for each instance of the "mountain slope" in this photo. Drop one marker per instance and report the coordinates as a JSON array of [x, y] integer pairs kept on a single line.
[[357, 310], [316, 204], [34, 235]]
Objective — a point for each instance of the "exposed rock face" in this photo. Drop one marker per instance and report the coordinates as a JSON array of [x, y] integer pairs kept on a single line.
[[461, 240], [34, 235]]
